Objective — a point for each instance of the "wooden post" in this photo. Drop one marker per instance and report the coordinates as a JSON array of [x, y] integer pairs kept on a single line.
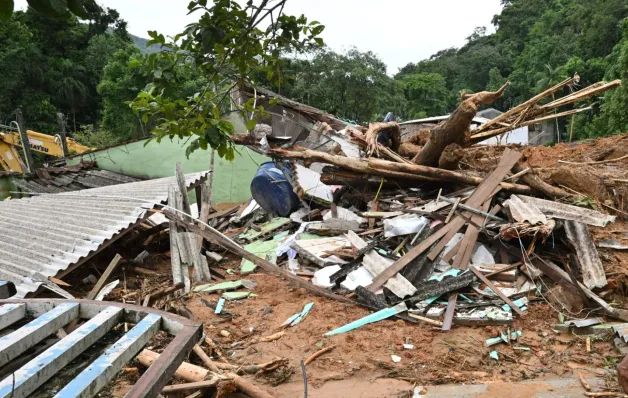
[[183, 189], [203, 199], [103, 278], [64, 141], [211, 176], [26, 145]]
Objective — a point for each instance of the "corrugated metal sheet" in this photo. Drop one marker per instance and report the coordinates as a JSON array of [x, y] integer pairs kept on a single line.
[[522, 212], [70, 178], [591, 267], [44, 235], [568, 212]]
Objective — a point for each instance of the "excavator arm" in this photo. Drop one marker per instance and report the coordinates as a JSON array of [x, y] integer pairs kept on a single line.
[[44, 143], [10, 158], [50, 145]]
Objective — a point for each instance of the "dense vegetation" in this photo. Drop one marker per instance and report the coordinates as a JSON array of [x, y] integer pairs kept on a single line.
[[112, 90], [537, 43]]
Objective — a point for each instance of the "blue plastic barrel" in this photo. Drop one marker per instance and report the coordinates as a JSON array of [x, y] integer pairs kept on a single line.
[[273, 192]]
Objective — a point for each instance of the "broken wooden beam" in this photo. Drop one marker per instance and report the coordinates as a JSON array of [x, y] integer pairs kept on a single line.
[[216, 238], [103, 278], [482, 193], [496, 290], [386, 168]]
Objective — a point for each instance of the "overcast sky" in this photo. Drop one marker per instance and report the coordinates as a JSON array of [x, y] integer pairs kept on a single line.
[[399, 31]]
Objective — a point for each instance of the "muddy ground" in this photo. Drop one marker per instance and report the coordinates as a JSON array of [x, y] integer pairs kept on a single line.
[[361, 362]]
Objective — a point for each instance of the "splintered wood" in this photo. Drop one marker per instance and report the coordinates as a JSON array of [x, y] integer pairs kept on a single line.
[[484, 191]]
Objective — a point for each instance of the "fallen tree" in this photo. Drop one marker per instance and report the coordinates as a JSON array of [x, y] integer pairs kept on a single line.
[[455, 129], [389, 169]]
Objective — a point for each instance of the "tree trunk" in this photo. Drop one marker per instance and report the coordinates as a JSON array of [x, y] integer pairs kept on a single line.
[[385, 168], [454, 129]]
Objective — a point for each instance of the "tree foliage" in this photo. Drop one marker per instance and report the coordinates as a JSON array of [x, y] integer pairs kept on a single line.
[[538, 43], [223, 48], [51, 65]]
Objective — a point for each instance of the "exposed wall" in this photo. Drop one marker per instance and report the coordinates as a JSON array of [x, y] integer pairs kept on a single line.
[[516, 136], [231, 179], [5, 187]]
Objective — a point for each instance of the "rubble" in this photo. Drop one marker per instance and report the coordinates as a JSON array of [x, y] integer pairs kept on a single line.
[[428, 243]]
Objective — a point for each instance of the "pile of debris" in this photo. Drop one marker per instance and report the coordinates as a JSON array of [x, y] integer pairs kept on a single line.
[[415, 235], [430, 229]]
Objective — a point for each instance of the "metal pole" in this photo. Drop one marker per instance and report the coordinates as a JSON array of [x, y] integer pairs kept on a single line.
[[26, 145], [64, 141]]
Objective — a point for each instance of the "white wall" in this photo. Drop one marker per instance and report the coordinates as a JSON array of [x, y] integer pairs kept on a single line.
[[516, 136]]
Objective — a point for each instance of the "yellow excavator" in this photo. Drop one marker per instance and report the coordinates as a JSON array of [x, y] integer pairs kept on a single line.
[[50, 145]]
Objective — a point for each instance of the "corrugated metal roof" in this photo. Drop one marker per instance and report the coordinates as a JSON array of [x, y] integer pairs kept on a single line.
[[44, 235], [70, 178]]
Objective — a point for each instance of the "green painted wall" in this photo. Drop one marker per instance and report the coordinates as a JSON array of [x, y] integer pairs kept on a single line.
[[231, 179], [6, 187]]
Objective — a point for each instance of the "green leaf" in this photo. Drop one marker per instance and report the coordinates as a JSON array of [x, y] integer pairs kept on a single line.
[[134, 63], [43, 7], [202, 2], [250, 125], [6, 9], [319, 41], [317, 30], [76, 7], [59, 6], [314, 23], [229, 155]]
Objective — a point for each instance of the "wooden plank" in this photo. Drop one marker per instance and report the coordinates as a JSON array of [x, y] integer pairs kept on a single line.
[[11, 313], [496, 290], [40, 369], [375, 264], [103, 278], [224, 213], [453, 229], [453, 210], [191, 386], [180, 273], [35, 331], [484, 190], [204, 207], [441, 245], [451, 253], [470, 237], [188, 249], [183, 189], [104, 368], [215, 237], [449, 313]]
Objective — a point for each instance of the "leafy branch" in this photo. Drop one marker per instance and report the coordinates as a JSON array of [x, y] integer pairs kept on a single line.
[[223, 49]]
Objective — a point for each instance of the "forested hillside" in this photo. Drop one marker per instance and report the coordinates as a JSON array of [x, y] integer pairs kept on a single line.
[[536, 44], [83, 69], [90, 69]]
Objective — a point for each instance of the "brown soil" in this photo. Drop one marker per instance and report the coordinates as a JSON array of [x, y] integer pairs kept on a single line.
[[457, 356]]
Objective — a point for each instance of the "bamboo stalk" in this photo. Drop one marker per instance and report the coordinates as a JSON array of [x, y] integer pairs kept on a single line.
[[492, 133], [532, 101]]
